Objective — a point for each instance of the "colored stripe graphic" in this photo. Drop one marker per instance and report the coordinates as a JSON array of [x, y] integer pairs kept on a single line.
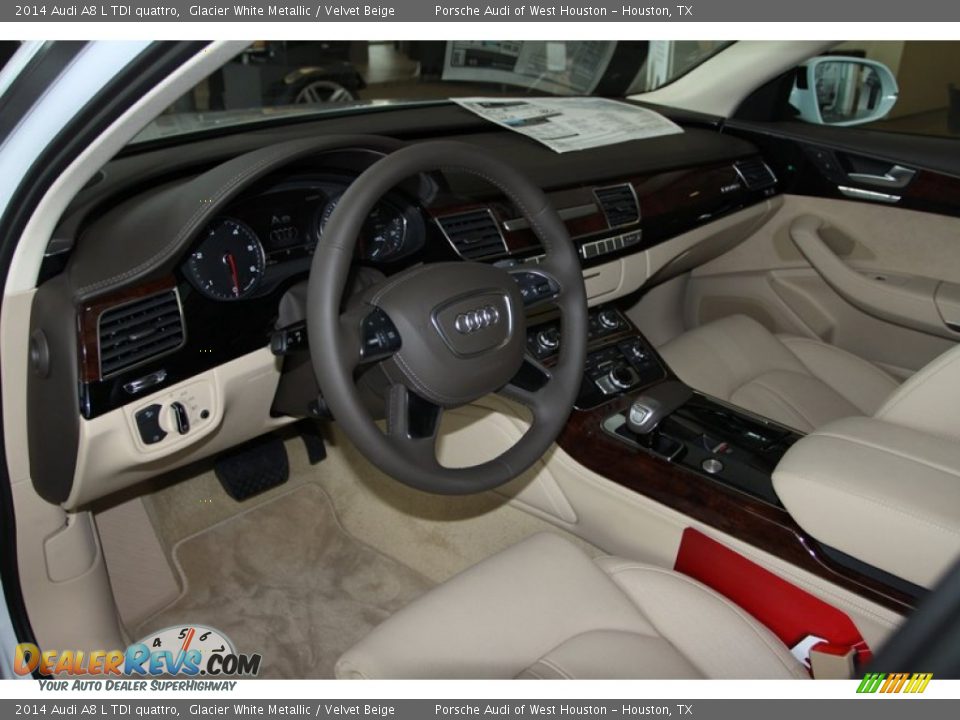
[[919, 682], [870, 683], [894, 683]]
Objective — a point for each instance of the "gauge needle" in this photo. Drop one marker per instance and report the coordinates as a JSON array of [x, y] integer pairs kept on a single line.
[[235, 276]]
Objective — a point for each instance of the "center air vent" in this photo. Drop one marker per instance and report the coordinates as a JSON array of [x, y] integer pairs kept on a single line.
[[619, 204], [755, 173], [475, 234], [138, 331]]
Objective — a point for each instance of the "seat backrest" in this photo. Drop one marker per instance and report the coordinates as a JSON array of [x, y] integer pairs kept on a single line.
[[930, 400]]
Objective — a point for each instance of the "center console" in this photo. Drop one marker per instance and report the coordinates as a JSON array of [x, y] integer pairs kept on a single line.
[[639, 427], [705, 436], [619, 359]]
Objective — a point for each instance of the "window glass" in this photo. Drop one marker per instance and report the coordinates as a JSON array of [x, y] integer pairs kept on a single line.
[[928, 76], [271, 79]]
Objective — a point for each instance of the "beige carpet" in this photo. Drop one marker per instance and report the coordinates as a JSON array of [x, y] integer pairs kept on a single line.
[[436, 535], [284, 579]]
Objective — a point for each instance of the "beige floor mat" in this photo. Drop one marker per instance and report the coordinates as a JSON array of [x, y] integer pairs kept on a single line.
[[285, 580], [436, 535]]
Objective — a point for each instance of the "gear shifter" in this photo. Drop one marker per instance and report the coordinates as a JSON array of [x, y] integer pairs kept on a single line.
[[649, 409]]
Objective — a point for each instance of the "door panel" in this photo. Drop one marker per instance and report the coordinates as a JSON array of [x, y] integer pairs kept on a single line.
[[769, 278]]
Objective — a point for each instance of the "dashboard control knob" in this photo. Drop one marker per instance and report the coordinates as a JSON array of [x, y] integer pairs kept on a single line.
[[609, 319], [622, 377], [181, 418], [549, 339]]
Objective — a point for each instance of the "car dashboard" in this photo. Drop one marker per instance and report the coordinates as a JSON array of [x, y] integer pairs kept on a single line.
[[150, 321]]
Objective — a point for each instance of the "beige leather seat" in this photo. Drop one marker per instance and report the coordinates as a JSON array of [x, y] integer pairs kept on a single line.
[[544, 609], [797, 381]]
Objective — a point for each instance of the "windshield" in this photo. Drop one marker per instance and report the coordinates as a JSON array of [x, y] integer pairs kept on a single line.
[[290, 78]]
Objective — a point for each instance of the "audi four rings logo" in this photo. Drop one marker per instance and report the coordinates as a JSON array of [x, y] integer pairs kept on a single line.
[[470, 322]]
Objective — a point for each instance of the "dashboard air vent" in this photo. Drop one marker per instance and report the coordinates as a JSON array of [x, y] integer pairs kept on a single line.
[[475, 234], [141, 330], [755, 173], [619, 204]]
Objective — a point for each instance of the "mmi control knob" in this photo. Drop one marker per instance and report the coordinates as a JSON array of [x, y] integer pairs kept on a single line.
[[609, 319], [549, 339], [622, 377]]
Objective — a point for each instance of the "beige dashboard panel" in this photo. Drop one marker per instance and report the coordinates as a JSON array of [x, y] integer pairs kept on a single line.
[[236, 397], [701, 245], [675, 256], [603, 281]]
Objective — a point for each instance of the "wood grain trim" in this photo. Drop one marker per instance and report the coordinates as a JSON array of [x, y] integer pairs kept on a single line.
[[932, 192], [675, 193], [88, 317], [760, 524]]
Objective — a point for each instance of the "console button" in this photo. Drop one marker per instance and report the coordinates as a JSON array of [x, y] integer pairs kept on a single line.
[[148, 424], [712, 466]]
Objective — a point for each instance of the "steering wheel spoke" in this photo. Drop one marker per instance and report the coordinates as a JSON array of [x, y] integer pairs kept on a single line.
[[413, 424], [530, 386]]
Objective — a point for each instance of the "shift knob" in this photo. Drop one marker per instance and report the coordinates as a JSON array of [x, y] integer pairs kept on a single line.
[[655, 404]]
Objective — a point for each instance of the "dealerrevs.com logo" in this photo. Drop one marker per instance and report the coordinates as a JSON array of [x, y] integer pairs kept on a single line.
[[179, 651]]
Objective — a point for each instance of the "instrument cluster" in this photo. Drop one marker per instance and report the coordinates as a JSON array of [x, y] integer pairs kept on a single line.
[[263, 239]]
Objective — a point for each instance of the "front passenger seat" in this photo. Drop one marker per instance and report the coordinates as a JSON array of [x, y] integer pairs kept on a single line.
[[797, 381], [544, 609]]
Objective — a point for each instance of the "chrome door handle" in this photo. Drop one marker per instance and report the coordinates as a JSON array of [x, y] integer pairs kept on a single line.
[[896, 177], [861, 194]]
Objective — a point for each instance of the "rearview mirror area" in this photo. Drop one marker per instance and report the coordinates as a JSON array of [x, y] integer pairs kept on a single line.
[[843, 91]]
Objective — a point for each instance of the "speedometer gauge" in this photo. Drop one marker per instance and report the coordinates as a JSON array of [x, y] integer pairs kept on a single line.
[[385, 234], [384, 231], [228, 263]]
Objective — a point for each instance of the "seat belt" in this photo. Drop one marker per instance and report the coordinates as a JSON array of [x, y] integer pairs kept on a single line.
[[819, 635]]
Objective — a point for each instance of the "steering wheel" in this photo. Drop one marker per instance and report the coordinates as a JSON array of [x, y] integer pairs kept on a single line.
[[445, 334]]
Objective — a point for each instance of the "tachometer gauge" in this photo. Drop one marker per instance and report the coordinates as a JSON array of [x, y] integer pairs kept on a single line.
[[228, 263]]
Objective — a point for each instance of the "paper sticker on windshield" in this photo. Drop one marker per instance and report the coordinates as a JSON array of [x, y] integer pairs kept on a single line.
[[565, 124]]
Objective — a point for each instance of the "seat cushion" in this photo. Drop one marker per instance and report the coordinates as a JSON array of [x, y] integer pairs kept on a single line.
[[544, 609], [800, 382]]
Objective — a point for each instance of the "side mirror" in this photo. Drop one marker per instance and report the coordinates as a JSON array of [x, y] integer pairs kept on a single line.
[[843, 91]]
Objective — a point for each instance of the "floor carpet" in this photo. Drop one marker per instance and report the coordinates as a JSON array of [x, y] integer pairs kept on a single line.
[[284, 579]]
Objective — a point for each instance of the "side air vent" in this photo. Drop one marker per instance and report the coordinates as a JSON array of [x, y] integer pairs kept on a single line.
[[475, 234], [139, 331], [619, 204], [756, 174]]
